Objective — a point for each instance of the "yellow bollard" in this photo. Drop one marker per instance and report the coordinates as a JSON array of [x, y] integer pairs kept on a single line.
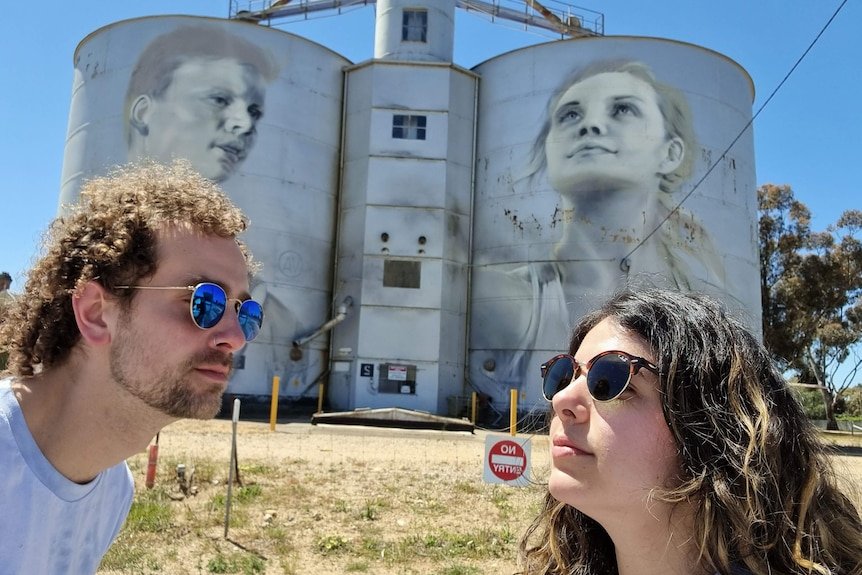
[[513, 415], [273, 409], [320, 397], [473, 406]]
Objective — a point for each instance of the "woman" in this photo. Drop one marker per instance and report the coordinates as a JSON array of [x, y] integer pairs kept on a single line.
[[677, 447], [616, 145]]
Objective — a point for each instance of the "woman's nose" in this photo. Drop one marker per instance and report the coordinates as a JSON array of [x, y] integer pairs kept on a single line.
[[573, 402], [592, 129], [592, 124]]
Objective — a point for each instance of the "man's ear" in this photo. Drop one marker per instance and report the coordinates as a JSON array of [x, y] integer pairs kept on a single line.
[[674, 154], [95, 313], [139, 113]]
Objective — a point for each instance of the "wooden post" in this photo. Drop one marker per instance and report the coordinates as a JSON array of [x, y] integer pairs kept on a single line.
[[273, 409], [513, 414]]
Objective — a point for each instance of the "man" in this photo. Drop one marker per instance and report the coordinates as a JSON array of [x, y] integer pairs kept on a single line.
[[127, 323], [6, 299], [5, 282], [197, 93]]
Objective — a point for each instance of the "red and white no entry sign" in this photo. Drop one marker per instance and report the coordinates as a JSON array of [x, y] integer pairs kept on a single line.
[[507, 460]]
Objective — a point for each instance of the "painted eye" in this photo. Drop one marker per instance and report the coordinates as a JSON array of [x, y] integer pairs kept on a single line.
[[568, 115], [624, 109], [220, 101]]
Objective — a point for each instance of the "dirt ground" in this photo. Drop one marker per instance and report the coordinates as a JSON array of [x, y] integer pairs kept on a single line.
[[416, 484], [413, 481], [374, 447]]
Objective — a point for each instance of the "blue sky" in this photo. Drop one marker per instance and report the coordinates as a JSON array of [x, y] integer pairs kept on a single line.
[[805, 137]]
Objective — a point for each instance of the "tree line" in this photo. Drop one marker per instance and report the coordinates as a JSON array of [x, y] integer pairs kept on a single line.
[[812, 313]]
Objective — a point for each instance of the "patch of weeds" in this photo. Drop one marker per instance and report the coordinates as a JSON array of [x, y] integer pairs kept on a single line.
[[428, 506], [281, 543], [372, 546], [369, 511], [151, 512], [217, 502], [238, 562], [251, 564], [248, 493], [257, 469], [218, 564], [238, 517], [484, 544], [205, 471], [128, 555], [332, 544], [500, 499], [393, 488], [468, 487], [341, 506], [458, 569], [357, 567], [288, 565]]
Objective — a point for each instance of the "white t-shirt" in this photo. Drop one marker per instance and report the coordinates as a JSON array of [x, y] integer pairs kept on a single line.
[[48, 524]]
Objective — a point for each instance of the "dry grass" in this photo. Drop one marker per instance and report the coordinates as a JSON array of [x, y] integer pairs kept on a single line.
[[335, 500], [324, 499]]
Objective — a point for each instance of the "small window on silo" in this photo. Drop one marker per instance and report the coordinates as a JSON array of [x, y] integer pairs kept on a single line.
[[414, 25], [402, 274], [408, 127]]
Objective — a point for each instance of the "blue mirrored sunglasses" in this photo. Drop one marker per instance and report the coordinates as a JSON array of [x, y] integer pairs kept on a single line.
[[208, 303], [608, 374]]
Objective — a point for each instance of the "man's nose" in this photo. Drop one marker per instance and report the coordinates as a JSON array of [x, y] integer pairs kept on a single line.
[[239, 119], [227, 333]]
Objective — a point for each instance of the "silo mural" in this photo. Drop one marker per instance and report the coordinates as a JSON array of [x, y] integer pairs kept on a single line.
[[482, 211], [259, 111], [197, 92], [586, 150]]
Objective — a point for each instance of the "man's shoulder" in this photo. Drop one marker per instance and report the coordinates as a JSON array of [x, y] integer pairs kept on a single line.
[[7, 398], [56, 533]]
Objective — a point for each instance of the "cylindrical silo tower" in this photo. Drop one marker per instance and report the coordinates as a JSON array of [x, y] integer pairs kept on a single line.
[[600, 161], [415, 31], [259, 111]]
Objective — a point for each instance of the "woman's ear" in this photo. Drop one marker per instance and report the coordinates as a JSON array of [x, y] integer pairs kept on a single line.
[[674, 154], [94, 310]]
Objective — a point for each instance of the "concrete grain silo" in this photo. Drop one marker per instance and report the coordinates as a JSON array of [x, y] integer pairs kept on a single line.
[[601, 161], [426, 230], [260, 112]]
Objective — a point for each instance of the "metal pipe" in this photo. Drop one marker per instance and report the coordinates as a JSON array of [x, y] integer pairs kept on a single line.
[[342, 313]]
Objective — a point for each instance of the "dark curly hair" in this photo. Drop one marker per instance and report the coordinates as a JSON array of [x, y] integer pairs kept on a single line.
[[108, 237], [760, 480]]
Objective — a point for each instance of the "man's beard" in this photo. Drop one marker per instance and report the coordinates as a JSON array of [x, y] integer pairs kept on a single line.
[[168, 389]]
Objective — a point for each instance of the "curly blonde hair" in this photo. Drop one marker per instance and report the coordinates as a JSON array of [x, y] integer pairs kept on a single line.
[[109, 237], [765, 497]]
